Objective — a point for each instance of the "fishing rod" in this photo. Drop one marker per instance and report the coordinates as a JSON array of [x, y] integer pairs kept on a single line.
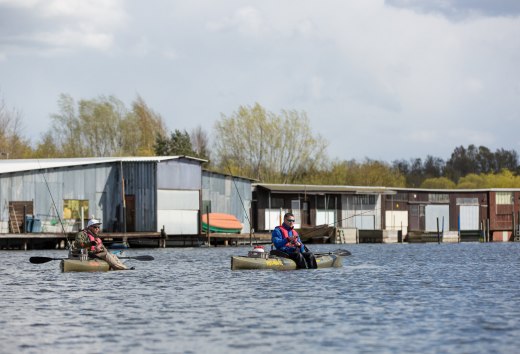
[[251, 230], [338, 221], [55, 207]]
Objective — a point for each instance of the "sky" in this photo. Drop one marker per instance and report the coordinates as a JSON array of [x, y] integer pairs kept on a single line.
[[383, 80]]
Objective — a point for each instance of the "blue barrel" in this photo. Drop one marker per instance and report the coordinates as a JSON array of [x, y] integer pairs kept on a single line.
[[36, 225], [28, 223]]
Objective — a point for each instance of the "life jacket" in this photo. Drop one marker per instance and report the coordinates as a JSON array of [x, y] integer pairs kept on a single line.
[[97, 245], [285, 234]]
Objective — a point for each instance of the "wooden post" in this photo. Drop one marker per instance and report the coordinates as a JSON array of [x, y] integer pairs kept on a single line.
[[207, 228], [513, 233], [25, 219], [438, 232], [488, 231]]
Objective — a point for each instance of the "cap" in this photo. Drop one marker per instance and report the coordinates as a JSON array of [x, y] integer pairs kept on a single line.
[[92, 222]]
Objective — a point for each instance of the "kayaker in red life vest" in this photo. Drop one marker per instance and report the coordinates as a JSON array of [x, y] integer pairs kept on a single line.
[[88, 238], [287, 240]]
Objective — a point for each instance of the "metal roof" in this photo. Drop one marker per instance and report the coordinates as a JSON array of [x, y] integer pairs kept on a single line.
[[320, 189], [482, 190], [10, 166]]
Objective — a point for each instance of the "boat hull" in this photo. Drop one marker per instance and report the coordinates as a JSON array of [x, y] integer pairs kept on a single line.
[[220, 222], [91, 265], [281, 263]]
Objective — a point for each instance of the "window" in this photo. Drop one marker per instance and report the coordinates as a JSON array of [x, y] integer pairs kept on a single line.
[[276, 203], [467, 201], [438, 198], [504, 198], [72, 209], [369, 199], [403, 197]]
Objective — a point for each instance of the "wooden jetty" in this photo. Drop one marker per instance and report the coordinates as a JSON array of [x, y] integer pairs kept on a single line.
[[25, 241]]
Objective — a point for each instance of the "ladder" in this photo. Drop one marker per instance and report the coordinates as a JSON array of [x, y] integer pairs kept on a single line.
[[13, 220]]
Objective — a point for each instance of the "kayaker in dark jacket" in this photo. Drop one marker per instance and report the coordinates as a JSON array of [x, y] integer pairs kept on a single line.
[[88, 239], [286, 239]]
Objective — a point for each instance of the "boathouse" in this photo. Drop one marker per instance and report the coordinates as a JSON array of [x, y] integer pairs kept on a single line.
[[352, 209], [128, 194], [457, 214]]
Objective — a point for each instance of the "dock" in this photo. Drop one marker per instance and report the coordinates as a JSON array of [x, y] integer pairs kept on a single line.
[[27, 241]]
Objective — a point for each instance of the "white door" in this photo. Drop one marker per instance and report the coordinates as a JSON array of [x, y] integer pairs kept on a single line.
[[434, 212], [469, 217]]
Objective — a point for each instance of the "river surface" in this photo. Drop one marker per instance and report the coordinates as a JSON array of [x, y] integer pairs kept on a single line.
[[401, 298]]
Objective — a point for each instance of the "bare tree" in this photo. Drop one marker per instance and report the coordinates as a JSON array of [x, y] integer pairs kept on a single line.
[[12, 143], [265, 146], [200, 142]]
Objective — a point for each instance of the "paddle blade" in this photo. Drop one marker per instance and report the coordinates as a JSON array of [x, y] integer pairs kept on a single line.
[[40, 260], [139, 258], [342, 253]]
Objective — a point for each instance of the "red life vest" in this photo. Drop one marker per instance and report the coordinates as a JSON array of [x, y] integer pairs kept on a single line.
[[97, 241], [285, 234]]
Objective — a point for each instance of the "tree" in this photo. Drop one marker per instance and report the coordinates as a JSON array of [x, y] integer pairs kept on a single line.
[[462, 162], [179, 144], [101, 127], [438, 183], [140, 129], [272, 148], [200, 143], [506, 160], [433, 167], [12, 143]]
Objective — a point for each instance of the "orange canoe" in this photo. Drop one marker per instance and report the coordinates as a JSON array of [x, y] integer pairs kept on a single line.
[[220, 222]]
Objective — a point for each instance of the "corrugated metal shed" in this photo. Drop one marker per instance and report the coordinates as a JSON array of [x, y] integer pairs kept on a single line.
[[228, 194], [98, 182]]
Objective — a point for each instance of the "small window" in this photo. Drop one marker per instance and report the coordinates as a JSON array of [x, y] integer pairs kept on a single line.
[[277, 203], [438, 198], [72, 209], [367, 199], [504, 198], [403, 197]]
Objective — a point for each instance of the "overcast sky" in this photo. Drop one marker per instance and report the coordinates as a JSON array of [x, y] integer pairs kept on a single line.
[[378, 79]]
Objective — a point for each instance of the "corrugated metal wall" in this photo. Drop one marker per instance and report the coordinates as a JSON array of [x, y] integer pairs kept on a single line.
[[95, 183], [140, 182], [221, 190], [182, 174]]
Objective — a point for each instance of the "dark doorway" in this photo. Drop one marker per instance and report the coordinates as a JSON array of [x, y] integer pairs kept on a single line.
[[130, 213]]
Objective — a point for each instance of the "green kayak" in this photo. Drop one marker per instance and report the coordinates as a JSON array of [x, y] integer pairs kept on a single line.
[[91, 265], [281, 263]]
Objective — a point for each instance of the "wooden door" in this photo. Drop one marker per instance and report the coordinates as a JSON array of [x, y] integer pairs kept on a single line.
[[130, 213]]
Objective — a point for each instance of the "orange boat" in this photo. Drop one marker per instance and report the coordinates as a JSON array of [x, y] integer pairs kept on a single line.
[[220, 222]]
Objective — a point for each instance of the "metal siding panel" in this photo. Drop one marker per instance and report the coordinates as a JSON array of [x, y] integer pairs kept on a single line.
[[469, 217], [178, 222], [140, 181], [177, 200], [179, 174], [432, 212]]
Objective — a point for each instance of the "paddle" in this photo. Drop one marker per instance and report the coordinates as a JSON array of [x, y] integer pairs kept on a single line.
[[340, 252], [40, 260]]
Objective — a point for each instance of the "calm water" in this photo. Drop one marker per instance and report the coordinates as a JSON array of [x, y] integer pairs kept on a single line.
[[452, 298]]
